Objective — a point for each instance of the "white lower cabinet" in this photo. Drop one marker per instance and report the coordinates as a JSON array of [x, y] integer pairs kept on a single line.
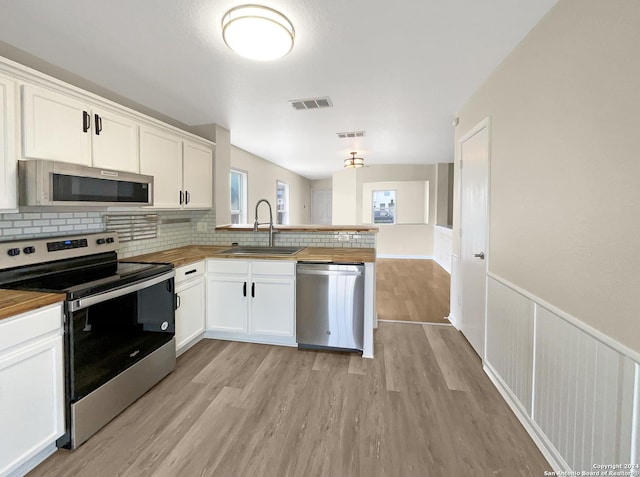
[[190, 314], [31, 386], [251, 300]]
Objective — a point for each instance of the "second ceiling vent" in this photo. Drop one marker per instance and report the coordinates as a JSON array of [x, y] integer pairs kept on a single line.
[[349, 134], [311, 103]]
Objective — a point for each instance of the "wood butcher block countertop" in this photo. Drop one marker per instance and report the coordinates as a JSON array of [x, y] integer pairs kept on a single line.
[[14, 302], [194, 253], [300, 228]]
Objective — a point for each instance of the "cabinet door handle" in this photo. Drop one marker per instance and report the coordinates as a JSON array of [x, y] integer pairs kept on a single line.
[[253, 290], [191, 271], [244, 289], [86, 121], [181, 197], [178, 301], [98, 121], [187, 197]]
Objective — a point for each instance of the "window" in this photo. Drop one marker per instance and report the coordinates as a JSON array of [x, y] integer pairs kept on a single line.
[[384, 206], [282, 203], [238, 197]]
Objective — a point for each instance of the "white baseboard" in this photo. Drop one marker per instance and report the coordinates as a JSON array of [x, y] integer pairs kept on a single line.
[[34, 462], [189, 344], [415, 322], [454, 322], [549, 452], [405, 257], [270, 340]]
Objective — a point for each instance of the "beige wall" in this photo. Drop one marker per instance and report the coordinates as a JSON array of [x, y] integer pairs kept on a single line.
[[262, 176], [406, 240], [565, 114], [344, 200], [444, 206], [322, 184]]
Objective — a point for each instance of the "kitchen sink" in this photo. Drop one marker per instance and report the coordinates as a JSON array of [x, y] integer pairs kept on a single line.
[[261, 251]]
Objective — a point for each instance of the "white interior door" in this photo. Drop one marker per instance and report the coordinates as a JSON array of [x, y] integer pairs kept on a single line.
[[474, 178], [321, 204]]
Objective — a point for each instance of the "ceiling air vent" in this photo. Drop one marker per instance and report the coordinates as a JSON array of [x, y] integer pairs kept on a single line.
[[311, 103], [350, 134]]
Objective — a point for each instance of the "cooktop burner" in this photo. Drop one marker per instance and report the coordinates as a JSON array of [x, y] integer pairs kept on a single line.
[[88, 281]]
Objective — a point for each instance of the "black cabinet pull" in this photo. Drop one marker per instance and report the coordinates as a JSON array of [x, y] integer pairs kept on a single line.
[[98, 121], [244, 289], [253, 290], [86, 121], [191, 271], [187, 197], [181, 197]]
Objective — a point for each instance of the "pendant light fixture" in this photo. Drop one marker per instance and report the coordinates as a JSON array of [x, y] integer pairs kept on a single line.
[[354, 161], [257, 32]]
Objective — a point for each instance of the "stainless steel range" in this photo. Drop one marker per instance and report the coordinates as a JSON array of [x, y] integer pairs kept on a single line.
[[119, 320]]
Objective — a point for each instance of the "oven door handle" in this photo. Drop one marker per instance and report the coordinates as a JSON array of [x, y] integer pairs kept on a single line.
[[85, 302]]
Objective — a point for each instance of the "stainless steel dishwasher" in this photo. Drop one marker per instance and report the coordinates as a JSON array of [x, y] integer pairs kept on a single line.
[[330, 305]]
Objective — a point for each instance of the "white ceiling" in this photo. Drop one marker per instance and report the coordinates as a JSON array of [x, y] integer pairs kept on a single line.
[[398, 70]]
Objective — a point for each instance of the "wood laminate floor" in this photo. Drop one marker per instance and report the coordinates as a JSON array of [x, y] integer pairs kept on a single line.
[[412, 290], [422, 407]]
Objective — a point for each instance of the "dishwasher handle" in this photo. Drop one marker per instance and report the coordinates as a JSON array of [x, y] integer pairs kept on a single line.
[[330, 269]]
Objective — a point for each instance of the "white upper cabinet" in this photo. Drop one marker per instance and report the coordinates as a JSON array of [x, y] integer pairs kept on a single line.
[[161, 157], [8, 198], [197, 170], [182, 170], [115, 141], [62, 128], [55, 126], [43, 118]]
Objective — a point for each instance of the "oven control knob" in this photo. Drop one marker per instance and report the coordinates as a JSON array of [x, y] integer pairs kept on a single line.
[[29, 250], [164, 326], [110, 240], [12, 252], [101, 241]]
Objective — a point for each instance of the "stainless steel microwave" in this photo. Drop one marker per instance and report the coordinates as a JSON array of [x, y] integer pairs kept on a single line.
[[44, 183]]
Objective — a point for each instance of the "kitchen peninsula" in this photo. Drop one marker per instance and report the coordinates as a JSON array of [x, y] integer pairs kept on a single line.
[[216, 300]]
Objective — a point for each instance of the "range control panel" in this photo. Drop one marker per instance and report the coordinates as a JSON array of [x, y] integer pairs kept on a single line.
[[33, 251]]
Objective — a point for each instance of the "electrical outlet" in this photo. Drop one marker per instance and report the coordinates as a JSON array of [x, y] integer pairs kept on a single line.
[[343, 237], [201, 226]]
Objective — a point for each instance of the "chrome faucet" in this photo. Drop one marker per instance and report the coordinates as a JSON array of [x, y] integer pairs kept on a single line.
[[256, 223]]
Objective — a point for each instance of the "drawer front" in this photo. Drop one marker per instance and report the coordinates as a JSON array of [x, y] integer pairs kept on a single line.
[[231, 267], [273, 267], [193, 270], [30, 325]]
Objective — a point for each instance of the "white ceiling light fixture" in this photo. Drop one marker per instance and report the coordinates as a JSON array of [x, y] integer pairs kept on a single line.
[[354, 161], [257, 32]]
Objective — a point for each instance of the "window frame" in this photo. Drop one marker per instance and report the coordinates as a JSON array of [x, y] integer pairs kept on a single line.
[[387, 213], [242, 196], [284, 218]]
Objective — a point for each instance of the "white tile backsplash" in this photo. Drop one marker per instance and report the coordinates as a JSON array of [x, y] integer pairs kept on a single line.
[[25, 225]]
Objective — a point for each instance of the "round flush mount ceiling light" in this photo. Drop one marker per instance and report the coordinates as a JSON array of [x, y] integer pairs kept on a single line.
[[354, 161], [257, 32]]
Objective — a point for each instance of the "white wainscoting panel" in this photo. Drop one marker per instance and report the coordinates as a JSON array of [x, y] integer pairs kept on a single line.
[[584, 394], [442, 247], [635, 431], [576, 390], [455, 300], [509, 347]]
